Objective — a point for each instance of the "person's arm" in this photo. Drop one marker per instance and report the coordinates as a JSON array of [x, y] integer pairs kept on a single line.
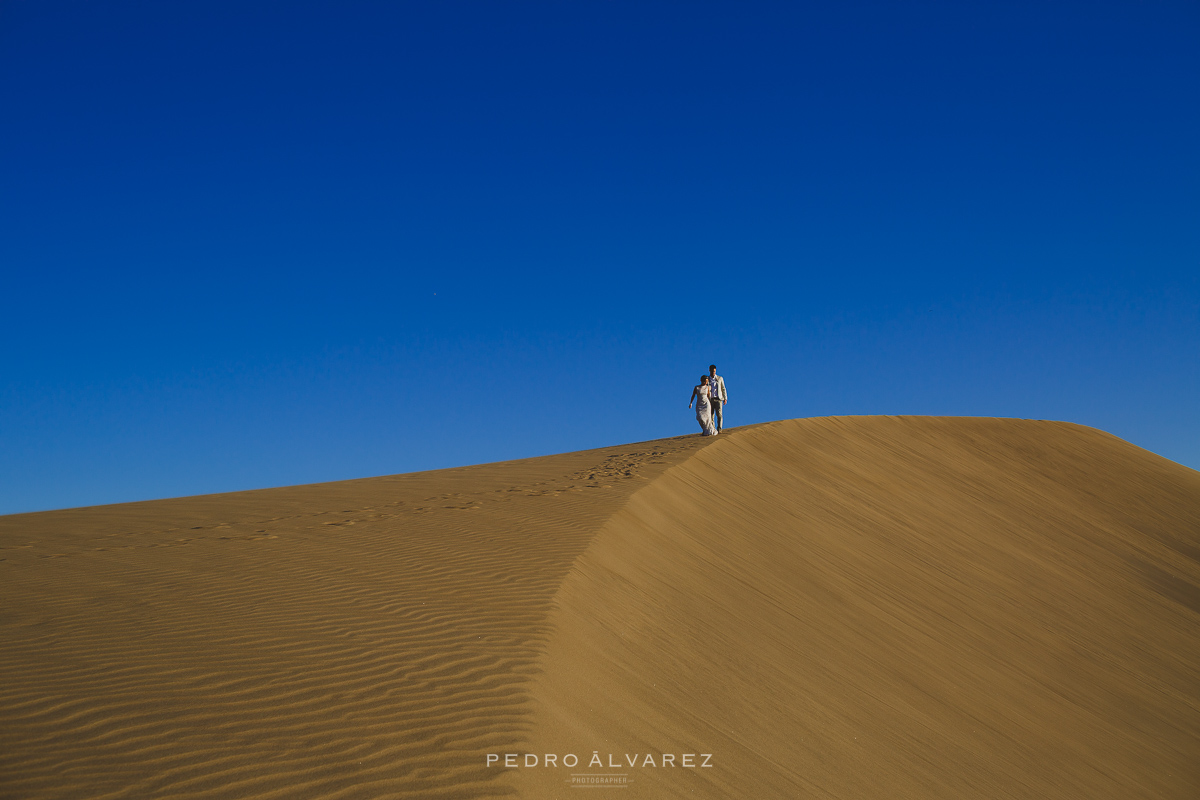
[[695, 389]]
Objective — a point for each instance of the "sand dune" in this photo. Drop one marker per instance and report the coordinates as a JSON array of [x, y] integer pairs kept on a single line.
[[842, 607]]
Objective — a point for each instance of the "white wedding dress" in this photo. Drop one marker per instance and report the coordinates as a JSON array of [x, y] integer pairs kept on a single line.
[[704, 411]]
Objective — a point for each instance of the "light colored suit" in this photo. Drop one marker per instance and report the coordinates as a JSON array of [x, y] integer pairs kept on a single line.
[[717, 384], [719, 399]]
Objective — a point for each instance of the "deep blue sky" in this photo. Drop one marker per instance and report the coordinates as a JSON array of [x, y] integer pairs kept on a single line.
[[265, 243]]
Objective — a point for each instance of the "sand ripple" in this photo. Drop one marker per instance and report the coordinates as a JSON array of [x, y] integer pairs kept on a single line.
[[357, 640]]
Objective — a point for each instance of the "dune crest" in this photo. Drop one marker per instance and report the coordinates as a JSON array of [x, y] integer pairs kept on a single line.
[[887, 607]]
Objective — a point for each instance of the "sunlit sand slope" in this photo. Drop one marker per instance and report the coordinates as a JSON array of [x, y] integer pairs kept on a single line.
[[886, 608], [366, 639]]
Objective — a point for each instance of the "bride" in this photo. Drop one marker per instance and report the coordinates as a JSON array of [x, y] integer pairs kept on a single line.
[[700, 394]]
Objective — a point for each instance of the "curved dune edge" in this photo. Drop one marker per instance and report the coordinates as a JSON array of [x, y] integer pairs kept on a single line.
[[886, 607], [361, 639]]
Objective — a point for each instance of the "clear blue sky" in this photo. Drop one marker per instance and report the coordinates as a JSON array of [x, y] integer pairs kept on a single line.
[[266, 243]]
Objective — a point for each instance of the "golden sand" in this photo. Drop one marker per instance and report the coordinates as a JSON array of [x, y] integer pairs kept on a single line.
[[844, 607]]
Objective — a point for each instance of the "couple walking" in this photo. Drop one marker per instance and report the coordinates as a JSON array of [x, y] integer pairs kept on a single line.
[[710, 399]]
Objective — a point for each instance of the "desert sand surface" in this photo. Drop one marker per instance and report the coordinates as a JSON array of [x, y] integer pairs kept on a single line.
[[854, 607]]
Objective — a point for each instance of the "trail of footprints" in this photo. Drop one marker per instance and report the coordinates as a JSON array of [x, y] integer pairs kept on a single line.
[[619, 467]]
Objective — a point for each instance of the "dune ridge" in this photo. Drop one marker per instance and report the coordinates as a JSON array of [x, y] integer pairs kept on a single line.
[[840, 607]]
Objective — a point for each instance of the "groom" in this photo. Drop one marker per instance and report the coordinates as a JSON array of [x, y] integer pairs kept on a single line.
[[717, 394]]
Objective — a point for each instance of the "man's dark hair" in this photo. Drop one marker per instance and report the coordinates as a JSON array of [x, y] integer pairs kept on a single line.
[[712, 366]]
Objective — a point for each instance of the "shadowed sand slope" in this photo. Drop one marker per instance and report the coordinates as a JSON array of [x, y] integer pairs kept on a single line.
[[886, 608], [364, 639]]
